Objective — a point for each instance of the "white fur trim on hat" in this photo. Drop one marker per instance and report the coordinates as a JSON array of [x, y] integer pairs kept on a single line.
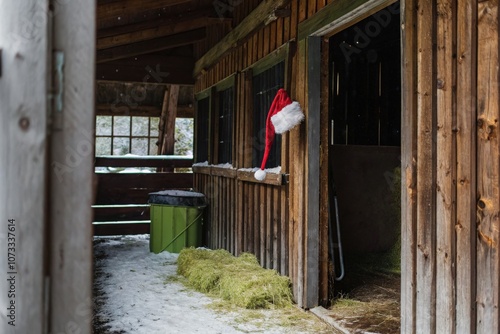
[[260, 175], [287, 118]]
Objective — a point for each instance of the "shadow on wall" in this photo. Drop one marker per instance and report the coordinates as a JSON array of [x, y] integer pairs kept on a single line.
[[366, 189]]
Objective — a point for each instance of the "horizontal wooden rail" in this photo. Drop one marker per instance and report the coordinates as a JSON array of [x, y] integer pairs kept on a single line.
[[146, 161], [133, 188], [121, 228], [276, 179], [107, 213]]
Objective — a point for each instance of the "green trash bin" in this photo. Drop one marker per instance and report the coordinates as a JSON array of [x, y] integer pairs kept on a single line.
[[176, 220]]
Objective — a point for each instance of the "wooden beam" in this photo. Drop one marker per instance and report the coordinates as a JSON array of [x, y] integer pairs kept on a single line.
[[208, 14], [163, 120], [311, 286], [260, 16], [71, 188], [167, 28], [122, 8], [24, 134], [169, 132], [113, 110], [338, 15], [150, 46], [143, 161], [148, 68]]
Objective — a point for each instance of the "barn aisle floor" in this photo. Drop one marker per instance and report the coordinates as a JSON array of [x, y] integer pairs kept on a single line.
[[136, 291]]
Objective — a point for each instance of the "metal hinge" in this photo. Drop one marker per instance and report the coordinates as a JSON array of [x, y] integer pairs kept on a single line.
[[57, 92]]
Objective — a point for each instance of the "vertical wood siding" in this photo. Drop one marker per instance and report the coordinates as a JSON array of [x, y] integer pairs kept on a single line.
[[450, 166], [450, 268]]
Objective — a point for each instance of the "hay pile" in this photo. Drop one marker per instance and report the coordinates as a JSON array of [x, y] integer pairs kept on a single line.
[[239, 280]]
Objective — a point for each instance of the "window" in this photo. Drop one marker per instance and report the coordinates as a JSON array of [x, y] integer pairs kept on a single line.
[[225, 134], [119, 135], [202, 128], [265, 86], [365, 87]]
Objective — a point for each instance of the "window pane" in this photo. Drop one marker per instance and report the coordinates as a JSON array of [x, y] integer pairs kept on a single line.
[[140, 126], [103, 146], [184, 136], [153, 148], [265, 87], [154, 126], [225, 125], [140, 146], [121, 146], [103, 126], [202, 130], [122, 126]]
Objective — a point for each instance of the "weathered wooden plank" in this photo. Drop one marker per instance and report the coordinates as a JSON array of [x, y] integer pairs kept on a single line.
[[251, 220], [262, 200], [122, 228], [120, 213], [276, 232], [121, 8], [426, 173], [298, 143], [323, 175], [262, 15], [446, 169], [149, 46], [338, 15], [408, 166], [146, 161], [167, 148], [23, 152], [488, 170], [160, 30], [312, 171], [256, 220], [466, 167], [240, 218], [163, 120], [285, 232], [71, 195], [269, 227], [271, 178], [134, 188]]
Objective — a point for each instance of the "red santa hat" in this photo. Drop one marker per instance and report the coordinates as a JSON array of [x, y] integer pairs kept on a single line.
[[284, 114]]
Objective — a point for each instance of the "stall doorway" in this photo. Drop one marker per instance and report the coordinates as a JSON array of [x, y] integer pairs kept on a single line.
[[364, 162]]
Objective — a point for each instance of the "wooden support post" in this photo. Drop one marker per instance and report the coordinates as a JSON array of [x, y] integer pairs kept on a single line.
[[163, 119], [169, 129]]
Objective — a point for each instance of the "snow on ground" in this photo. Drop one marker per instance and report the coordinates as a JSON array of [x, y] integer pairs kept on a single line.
[[138, 295]]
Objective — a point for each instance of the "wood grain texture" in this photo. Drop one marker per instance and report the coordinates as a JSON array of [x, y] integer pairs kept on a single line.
[[23, 152], [488, 170], [72, 193], [408, 166], [426, 173], [446, 169]]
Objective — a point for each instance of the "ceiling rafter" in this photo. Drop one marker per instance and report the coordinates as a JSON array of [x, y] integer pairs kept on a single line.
[[150, 46]]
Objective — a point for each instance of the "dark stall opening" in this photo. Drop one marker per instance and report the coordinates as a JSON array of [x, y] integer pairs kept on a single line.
[[364, 165]]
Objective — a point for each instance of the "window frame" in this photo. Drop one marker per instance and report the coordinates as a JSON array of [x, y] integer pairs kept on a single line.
[[282, 53], [130, 136], [212, 93]]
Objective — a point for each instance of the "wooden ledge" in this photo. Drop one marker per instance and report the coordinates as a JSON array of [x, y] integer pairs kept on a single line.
[[271, 178], [202, 170], [225, 172]]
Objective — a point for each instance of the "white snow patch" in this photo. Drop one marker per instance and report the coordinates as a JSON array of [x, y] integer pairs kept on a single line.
[[138, 298], [275, 170], [201, 164], [226, 165]]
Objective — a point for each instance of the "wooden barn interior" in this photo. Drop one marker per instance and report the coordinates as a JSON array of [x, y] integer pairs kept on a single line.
[[399, 145]]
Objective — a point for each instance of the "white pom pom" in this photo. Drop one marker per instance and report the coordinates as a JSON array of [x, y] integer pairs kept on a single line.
[[260, 175]]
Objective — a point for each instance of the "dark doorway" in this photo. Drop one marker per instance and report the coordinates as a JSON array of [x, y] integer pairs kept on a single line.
[[364, 155]]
